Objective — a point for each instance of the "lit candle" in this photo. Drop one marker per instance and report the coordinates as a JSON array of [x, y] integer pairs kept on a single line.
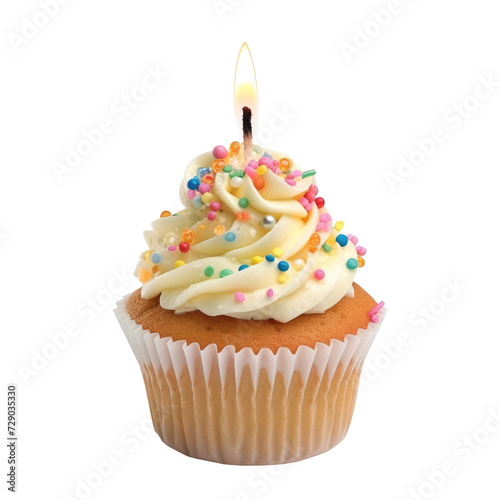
[[246, 103]]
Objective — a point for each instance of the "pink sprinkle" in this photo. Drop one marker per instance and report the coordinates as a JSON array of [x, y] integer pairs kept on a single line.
[[250, 171], [191, 194], [204, 188], [303, 202], [313, 188], [376, 309], [297, 173], [266, 161], [211, 215], [253, 164], [352, 239], [219, 152], [309, 196], [276, 170], [270, 292], [289, 181], [239, 297], [276, 163], [308, 207], [215, 205], [325, 218], [374, 319], [361, 250], [320, 226], [172, 248], [319, 274]]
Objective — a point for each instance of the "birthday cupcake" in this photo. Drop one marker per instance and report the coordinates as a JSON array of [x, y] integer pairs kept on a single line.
[[249, 329]]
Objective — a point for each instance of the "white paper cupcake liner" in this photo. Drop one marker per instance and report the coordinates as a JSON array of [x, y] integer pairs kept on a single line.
[[245, 408]]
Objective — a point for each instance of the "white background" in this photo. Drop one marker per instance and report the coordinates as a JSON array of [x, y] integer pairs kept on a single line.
[[63, 238]]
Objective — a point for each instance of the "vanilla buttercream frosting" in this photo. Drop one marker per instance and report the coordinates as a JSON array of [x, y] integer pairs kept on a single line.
[[254, 241]]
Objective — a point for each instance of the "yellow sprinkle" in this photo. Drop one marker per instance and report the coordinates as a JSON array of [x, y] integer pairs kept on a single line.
[[219, 230], [202, 227], [277, 252], [179, 263], [144, 275], [339, 225], [257, 259], [261, 170], [283, 277], [298, 264], [207, 198], [147, 255]]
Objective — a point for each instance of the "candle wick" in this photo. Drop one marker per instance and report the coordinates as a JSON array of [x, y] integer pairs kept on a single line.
[[247, 133]]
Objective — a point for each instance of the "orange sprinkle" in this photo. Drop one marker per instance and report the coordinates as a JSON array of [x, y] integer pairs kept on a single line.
[[155, 269], [315, 239], [313, 249], [219, 230], [234, 147], [285, 164], [208, 179], [361, 261], [217, 166], [259, 183], [166, 213], [187, 236], [144, 275]]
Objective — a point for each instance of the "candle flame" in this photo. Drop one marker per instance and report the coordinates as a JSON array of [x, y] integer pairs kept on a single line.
[[245, 86]]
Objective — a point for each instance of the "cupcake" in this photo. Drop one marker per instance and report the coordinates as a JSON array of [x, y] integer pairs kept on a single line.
[[248, 328]]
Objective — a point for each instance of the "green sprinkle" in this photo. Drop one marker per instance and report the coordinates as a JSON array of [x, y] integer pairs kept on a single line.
[[308, 173], [209, 270], [238, 172], [243, 202], [352, 263], [227, 168], [326, 247], [225, 272], [257, 149]]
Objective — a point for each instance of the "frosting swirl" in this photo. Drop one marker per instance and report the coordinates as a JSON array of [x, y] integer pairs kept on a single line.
[[251, 250]]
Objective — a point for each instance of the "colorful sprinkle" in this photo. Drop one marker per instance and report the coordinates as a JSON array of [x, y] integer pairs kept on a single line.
[[209, 271], [202, 227], [197, 202], [361, 261], [250, 172], [308, 173], [353, 239], [207, 198], [374, 319], [237, 172], [283, 278], [326, 247], [225, 272], [298, 264], [320, 202], [285, 164], [261, 170], [243, 266], [234, 148], [229, 236], [339, 225], [172, 248], [184, 246], [342, 240], [147, 255], [187, 236], [156, 258], [211, 215], [268, 222], [352, 263], [319, 274], [270, 292], [178, 263], [242, 215], [218, 166], [239, 297], [270, 258], [204, 188], [191, 194], [361, 250], [236, 182], [165, 213], [193, 183], [215, 205], [219, 152], [315, 239], [227, 169], [290, 182], [243, 202], [377, 308], [259, 183], [283, 266], [257, 260], [277, 252], [219, 230], [144, 275]]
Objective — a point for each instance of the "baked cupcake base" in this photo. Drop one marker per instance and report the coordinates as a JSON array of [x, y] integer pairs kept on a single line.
[[238, 407]]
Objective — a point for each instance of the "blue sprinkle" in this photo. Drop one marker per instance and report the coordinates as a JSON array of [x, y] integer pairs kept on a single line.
[[352, 263], [197, 202], [270, 258], [342, 240], [243, 266], [268, 155], [283, 266], [229, 236], [193, 183], [155, 258], [202, 171]]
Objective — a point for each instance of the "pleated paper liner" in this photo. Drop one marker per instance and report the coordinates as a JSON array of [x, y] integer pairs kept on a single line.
[[245, 408]]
